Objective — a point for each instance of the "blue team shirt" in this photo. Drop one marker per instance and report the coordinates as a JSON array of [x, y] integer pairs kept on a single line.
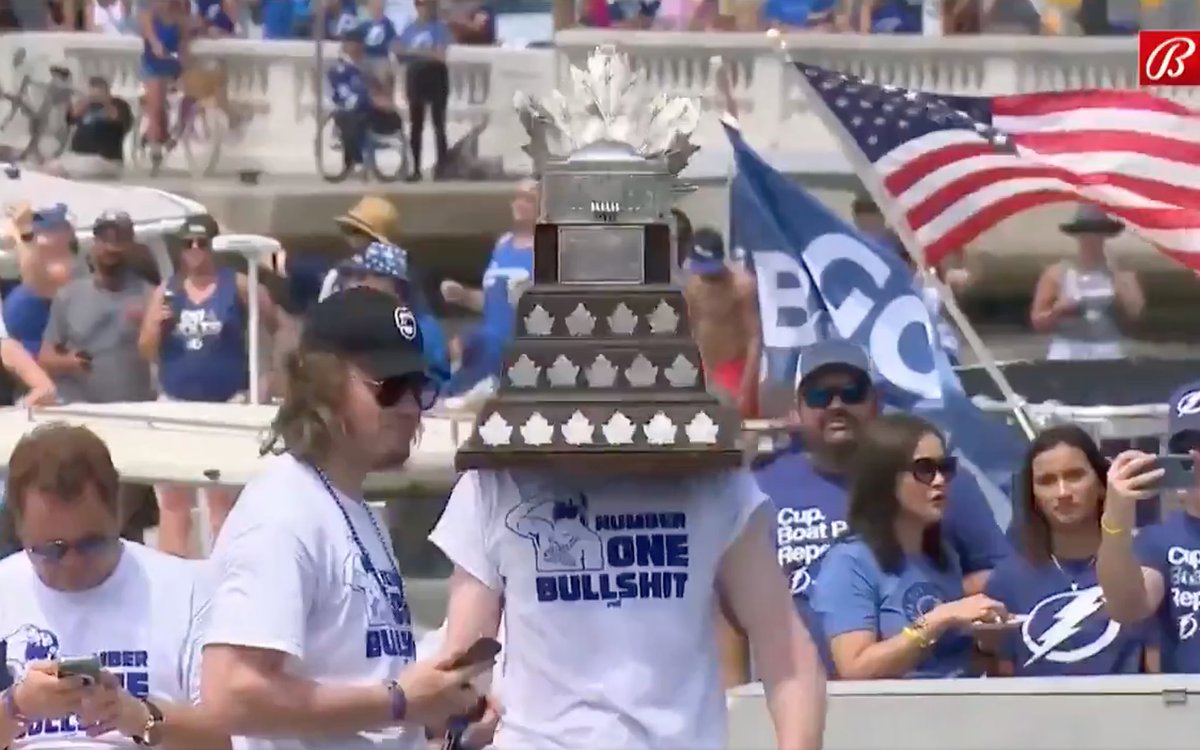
[[852, 592], [1068, 631], [349, 86], [378, 36], [797, 12], [26, 316], [897, 17], [343, 19], [1172, 547], [425, 35]]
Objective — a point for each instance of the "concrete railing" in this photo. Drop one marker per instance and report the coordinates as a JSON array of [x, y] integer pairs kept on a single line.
[[277, 81]]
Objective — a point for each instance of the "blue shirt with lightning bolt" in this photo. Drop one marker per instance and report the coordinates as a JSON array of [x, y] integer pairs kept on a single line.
[[1067, 631]]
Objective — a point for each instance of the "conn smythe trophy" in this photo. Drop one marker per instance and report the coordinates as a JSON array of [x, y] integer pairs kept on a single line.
[[603, 372]]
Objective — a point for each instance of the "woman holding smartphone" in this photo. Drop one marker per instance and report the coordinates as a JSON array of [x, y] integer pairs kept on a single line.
[[890, 593], [1060, 494]]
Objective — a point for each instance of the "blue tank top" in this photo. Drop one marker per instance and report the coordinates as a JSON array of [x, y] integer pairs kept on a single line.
[[897, 17], [203, 357], [169, 34]]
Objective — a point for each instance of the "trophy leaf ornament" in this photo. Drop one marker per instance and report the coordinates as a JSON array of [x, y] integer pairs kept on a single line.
[[608, 103], [702, 430], [601, 373], [619, 429], [622, 321], [578, 430], [496, 431], [524, 372], [563, 373], [580, 322], [660, 430], [641, 373], [537, 430], [663, 320], [682, 373], [539, 322]]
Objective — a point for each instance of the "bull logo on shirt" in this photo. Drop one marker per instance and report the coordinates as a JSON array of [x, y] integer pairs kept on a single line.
[[361, 583], [27, 645], [559, 531]]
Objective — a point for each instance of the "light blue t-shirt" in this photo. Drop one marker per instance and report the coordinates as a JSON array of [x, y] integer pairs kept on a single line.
[[424, 35], [852, 592], [798, 13]]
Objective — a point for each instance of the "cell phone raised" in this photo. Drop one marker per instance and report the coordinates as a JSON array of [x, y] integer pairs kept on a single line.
[[87, 667], [483, 650], [1178, 471]]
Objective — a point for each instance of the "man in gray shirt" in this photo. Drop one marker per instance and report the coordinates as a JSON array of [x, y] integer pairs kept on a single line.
[[90, 344]]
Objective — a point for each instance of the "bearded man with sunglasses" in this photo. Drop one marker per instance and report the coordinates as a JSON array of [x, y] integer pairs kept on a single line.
[[309, 641], [809, 478], [79, 591]]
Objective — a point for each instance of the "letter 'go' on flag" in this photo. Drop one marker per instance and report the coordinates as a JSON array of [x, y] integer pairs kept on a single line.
[[956, 166], [819, 278]]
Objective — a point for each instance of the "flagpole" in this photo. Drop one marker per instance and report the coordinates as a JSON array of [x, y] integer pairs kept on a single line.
[[899, 224]]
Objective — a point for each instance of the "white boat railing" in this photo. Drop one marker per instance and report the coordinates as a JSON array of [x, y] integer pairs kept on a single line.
[[1117, 712]]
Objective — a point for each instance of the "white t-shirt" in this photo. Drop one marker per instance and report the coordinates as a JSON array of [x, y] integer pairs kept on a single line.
[[142, 622], [289, 577], [609, 600]]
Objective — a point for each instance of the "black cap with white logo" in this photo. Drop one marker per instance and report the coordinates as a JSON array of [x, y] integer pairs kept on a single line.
[[369, 328]]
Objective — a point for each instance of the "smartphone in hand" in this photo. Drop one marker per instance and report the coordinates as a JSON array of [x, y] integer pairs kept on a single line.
[[87, 667], [1178, 471], [482, 650]]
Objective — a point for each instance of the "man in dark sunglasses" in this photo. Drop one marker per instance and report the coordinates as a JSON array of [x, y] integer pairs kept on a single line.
[[119, 615], [808, 479]]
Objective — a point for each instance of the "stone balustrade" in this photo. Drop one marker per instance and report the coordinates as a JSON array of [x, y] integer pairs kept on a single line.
[[278, 83]]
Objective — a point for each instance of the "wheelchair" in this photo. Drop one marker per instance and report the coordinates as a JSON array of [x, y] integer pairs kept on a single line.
[[385, 157]]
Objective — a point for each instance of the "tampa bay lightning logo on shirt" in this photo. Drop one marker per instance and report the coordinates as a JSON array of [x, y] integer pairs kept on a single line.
[[1053, 622], [29, 644], [579, 556], [406, 323], [1189, 404], [920, 599]]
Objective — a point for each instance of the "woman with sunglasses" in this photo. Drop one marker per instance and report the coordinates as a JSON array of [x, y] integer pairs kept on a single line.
[[196, 330], [309, 640], [1060, 496], [890, 593]]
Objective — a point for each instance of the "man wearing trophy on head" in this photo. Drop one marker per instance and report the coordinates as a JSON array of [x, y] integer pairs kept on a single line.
[[604, 511]]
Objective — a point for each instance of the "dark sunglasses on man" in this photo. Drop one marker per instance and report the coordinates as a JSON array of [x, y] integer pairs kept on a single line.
[[850, 394], [86, 546], [391, 391], [926, 470]]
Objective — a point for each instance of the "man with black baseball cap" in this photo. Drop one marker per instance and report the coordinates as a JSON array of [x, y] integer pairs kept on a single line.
[[310, 640]]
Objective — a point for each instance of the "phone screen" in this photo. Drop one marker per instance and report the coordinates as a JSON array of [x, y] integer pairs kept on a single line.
[[484, 649], [1178, 472], [87, 667]]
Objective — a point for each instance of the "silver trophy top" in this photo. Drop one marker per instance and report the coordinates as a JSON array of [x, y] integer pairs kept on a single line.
[[608, 105]]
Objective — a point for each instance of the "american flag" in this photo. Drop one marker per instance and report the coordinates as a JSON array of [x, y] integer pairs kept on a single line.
[[957, 166]]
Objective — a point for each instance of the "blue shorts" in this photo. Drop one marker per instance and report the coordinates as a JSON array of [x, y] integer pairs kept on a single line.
[[160, 70]]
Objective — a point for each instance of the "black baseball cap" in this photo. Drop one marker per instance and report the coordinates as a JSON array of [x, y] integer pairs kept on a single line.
[[369, 328], [113, 219], [201, 227]]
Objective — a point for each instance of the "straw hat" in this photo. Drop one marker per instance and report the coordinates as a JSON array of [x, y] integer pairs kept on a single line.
[[374, 216]]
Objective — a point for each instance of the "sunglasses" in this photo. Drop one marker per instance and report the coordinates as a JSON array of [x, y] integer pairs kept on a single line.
[[87, 546], [198, 243], [925, 470], [850, 394], [392, 391]]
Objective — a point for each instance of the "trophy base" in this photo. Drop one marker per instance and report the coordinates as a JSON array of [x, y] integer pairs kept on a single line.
[[606, 460]]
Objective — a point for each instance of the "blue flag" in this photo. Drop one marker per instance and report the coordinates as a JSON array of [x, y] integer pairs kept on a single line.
[[819, 278]]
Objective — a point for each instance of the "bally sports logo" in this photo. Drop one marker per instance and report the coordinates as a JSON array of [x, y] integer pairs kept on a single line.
[[1169, 58]]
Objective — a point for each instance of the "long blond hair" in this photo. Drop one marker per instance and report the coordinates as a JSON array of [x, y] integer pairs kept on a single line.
[[307, 423]]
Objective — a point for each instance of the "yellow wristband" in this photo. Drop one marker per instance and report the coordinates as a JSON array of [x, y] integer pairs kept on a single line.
[[1114, 530], [916, 636]]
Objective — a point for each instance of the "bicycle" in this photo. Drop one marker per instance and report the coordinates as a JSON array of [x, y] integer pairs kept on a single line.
[[194, 121], [328, 134], [44, 129]]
